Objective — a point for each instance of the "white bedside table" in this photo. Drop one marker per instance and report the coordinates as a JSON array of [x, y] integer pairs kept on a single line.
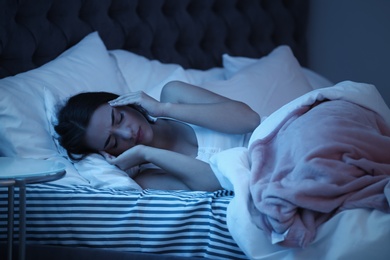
[[19, 172]]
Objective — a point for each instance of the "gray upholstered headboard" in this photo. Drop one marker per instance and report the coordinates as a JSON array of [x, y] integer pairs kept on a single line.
[[192, 33]]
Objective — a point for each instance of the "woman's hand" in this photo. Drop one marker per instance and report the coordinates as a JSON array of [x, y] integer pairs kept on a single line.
[[153, 106], [128, 159]]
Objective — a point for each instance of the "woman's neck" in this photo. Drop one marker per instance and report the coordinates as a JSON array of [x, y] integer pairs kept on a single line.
[[175, 136], [164, 134]]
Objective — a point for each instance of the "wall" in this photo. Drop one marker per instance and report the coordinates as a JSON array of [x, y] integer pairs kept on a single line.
[[350, 40]]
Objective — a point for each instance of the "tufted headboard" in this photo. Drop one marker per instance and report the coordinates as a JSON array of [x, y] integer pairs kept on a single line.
[[192, 33]]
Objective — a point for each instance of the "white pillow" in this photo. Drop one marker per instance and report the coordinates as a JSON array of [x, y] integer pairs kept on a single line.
[[267, 84], [233, 64], [101, 175], [150, 76], [24, 129]]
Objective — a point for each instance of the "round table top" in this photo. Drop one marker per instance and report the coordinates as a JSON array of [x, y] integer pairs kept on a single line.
[[22, 168]]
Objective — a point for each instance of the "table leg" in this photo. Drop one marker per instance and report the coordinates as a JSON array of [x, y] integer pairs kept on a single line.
[[22, 219], [10, 233]]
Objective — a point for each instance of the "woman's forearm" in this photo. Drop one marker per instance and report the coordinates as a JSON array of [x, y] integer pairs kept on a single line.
[[196, 174], [201, 107], [228, 117]]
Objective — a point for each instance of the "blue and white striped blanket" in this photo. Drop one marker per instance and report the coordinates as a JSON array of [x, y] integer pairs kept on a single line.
[[185, 223]]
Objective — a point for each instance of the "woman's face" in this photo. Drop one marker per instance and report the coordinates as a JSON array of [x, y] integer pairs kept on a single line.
[[116, 129]]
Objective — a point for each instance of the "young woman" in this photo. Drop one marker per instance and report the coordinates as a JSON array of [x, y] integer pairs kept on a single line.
[[172, 139]]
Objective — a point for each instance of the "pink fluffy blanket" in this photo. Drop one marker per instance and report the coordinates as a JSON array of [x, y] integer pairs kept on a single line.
[[322, 159]]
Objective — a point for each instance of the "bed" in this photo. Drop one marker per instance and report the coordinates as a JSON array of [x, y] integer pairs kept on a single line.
[[250, 50]]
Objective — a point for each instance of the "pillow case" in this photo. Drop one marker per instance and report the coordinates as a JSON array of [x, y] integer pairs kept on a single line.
[[233, 64], [267, 84], [25, 129], [140, 73], [101, 174]]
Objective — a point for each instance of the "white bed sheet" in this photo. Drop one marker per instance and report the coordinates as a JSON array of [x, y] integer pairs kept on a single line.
[[352, 234]]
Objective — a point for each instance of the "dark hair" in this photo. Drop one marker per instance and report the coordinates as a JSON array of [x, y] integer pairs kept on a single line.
[[74, 117]]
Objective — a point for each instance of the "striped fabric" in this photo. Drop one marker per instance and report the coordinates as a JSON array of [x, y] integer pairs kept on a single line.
[[182, 223]]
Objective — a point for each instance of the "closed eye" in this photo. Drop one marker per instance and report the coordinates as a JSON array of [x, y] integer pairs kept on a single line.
[[116, 119], [115, 145], [110, 138], [120, 118], [112, 123]]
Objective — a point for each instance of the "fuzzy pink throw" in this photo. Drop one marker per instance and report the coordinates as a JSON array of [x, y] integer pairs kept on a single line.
[[323, 159]]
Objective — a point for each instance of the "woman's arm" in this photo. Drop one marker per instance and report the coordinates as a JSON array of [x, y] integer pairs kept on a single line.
[[198, 106], [193, 173], [201, 107]]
